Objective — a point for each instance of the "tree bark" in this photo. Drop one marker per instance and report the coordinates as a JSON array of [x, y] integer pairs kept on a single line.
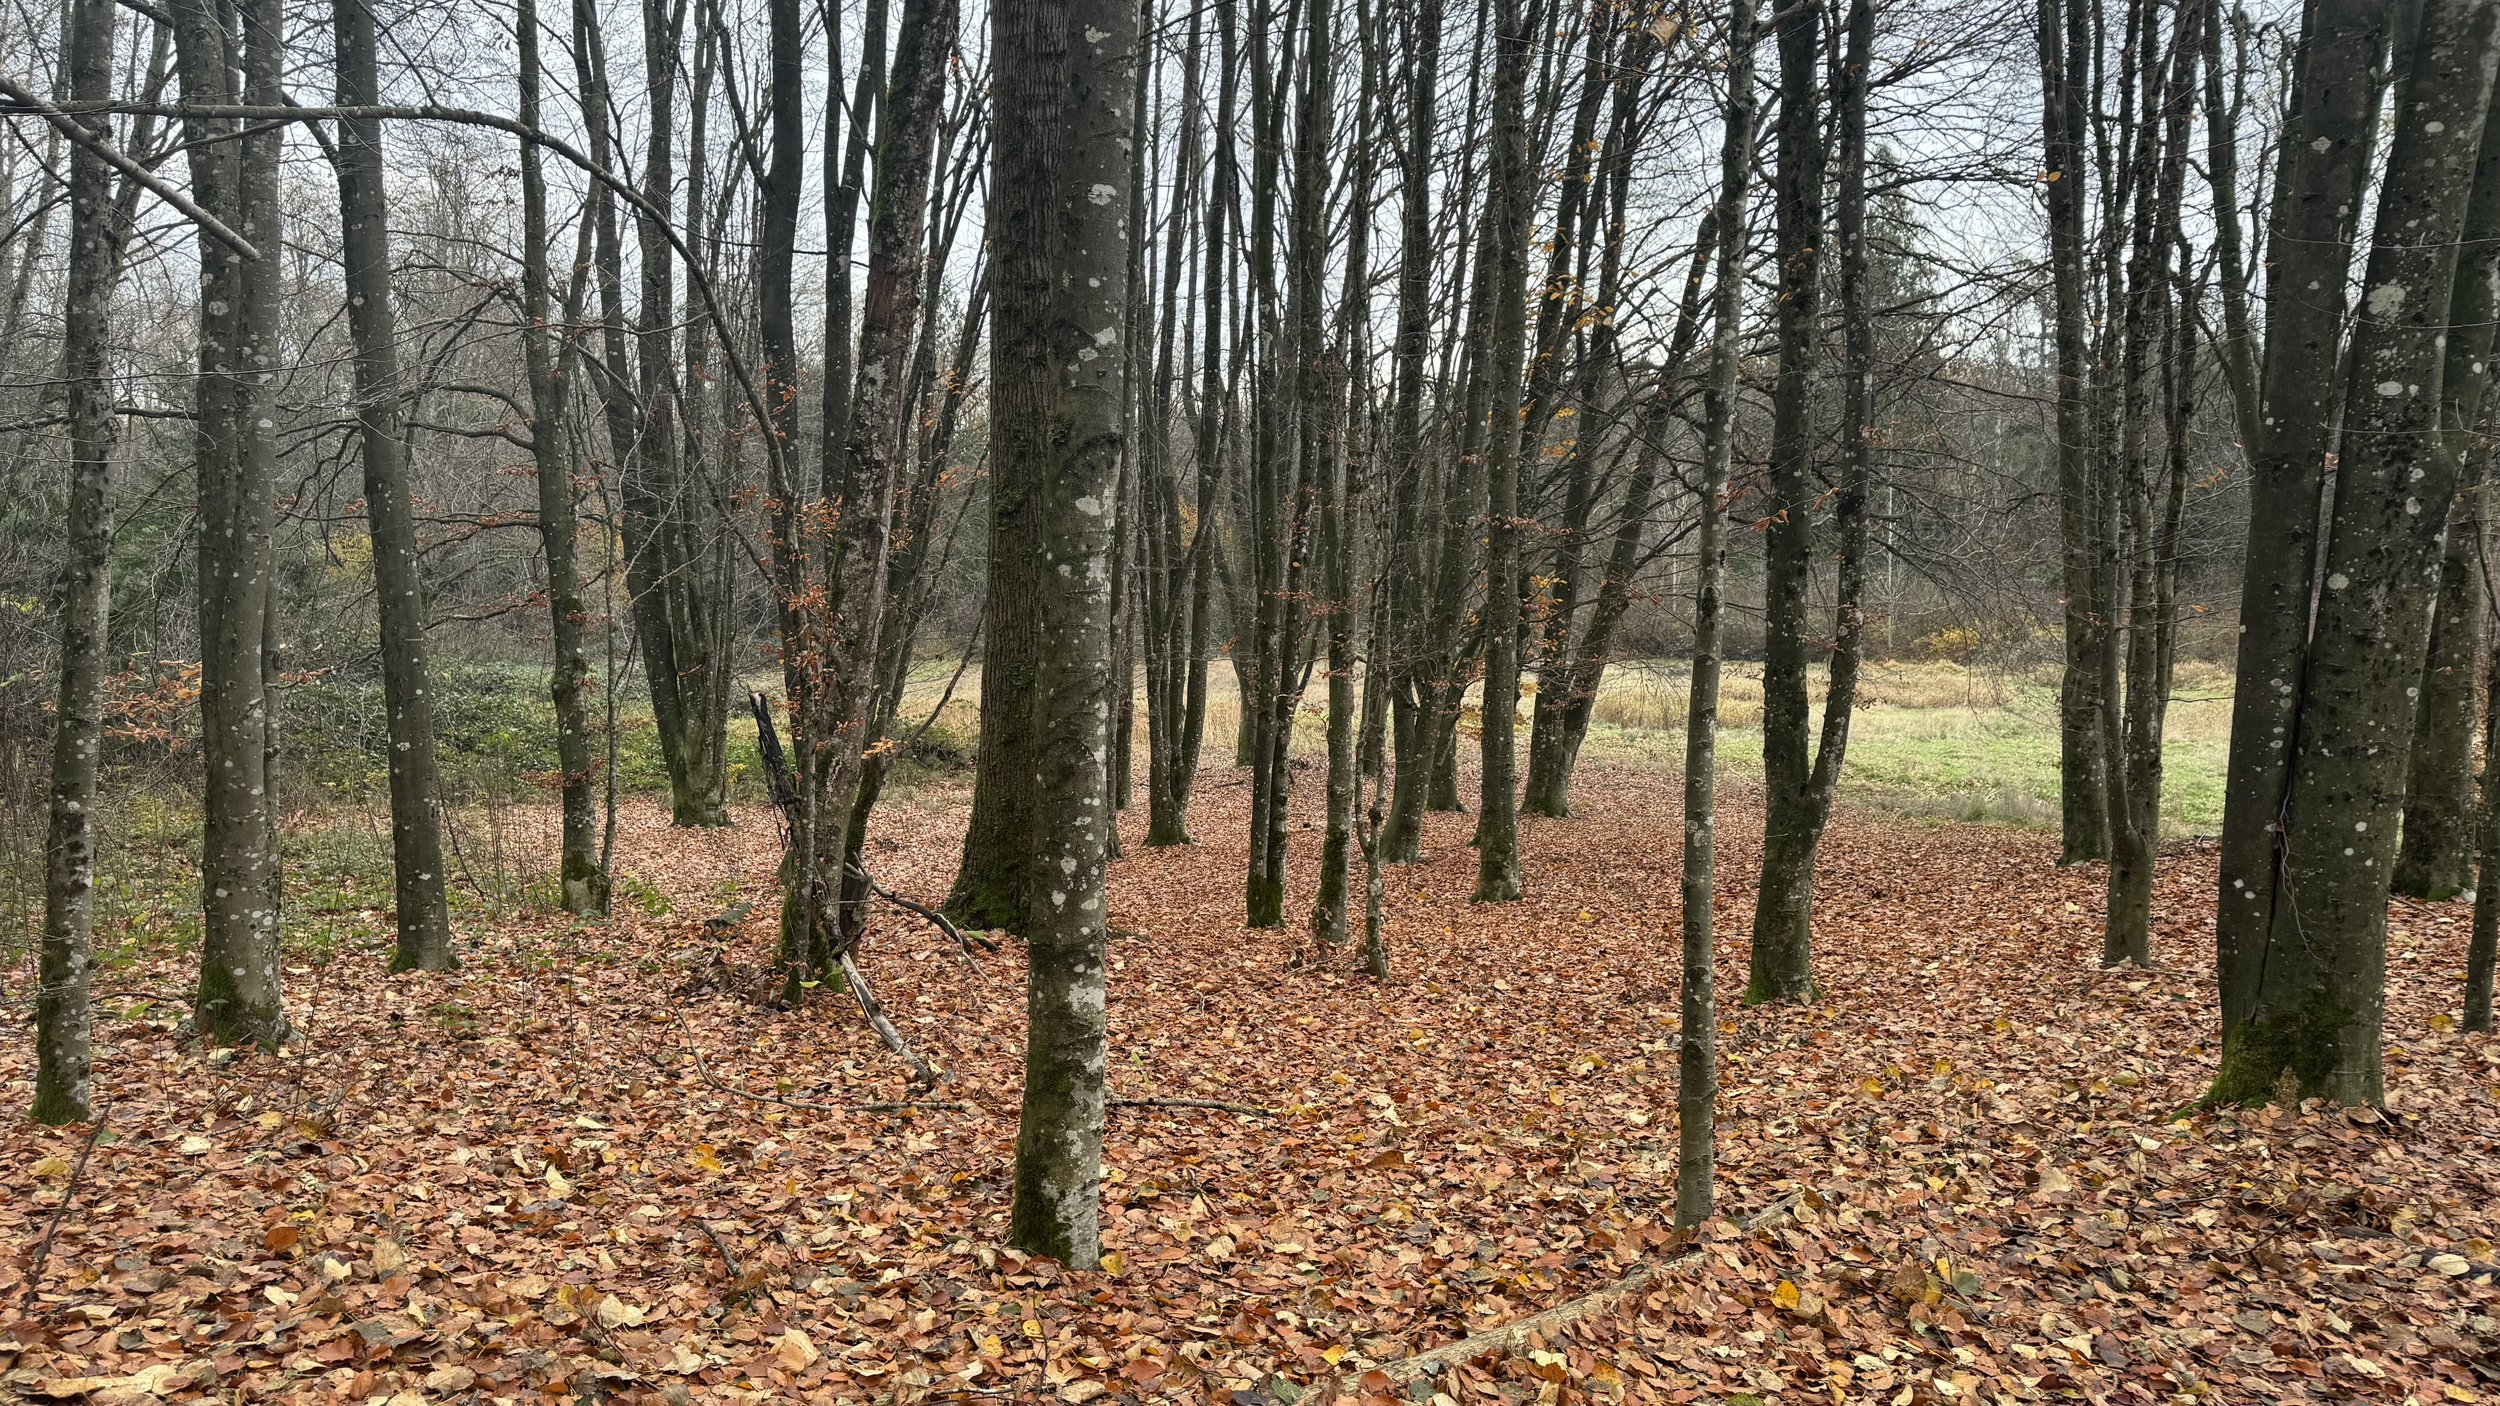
[[2065, 76], [1508, 207], [580, 874], [2318, 995], [64, 1056], [1697, 1040], [2324, 158], [1058, 217], [1797, 787], [2435, 857], [423, 919], [234, 177]]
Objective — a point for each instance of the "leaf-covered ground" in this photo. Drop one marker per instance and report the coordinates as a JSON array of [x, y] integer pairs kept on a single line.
[[518, 1184]]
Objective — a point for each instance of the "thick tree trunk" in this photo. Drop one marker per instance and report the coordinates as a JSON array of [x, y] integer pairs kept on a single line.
[[2325, 154], [1798, 787], [2319, 990], [1697, 1040], [423, 918], [64, 1058], [1058, 219]]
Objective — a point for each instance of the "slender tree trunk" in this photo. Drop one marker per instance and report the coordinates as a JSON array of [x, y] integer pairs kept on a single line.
[[1058, 219], [423, 918], [2065, 78], [235, 179], [64, 1059], [1401, 836], [584, 882], [1508, 207], [2319, 991], [2435, 858], [1346, 394], [1697, 1041], [855, 570]]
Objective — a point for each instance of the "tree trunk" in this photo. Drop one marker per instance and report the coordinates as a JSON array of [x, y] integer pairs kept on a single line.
[[855, 568], [2325, 154], [1697, 1040], [423, 919], [583, 880], [2065, 75], [1508, 207], [64, 1058], [1343, 394], [1796, 804], [235, 179], [1058, 218], [2318, 995], [2435, 858]]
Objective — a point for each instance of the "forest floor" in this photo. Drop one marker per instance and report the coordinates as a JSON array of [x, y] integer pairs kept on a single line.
[[593, 1166]]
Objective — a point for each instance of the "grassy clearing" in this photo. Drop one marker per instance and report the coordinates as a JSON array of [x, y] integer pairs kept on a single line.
[[1934, 739], [1942, 740]]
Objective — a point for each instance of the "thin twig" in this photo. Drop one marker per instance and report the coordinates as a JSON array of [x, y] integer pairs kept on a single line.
[[69, 1193], [695, 1052], [963, 943]]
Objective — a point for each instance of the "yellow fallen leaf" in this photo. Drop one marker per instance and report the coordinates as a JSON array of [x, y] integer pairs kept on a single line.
[[1114, 1263], [1785, 1295], [794, 1352], [52, 1169]]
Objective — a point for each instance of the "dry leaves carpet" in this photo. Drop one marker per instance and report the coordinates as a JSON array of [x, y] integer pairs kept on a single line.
[[514, 1184]]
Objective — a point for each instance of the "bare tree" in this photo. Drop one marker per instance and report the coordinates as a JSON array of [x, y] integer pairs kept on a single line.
[[1059, 220]]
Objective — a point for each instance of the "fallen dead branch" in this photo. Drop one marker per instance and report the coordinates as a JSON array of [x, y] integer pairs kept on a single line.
[[713, 1081], [1216, 1104], [1511, 1336], [923, 1076], [963, 942], [69, 1193]]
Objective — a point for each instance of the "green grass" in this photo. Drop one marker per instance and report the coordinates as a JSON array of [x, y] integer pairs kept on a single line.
[[1936, 739]]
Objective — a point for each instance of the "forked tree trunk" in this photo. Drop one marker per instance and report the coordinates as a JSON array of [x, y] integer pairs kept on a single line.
[[855, 569], [235, 179], [2325, 154], [2136, 697], [1058, 218], [64, 1059], [2318, 995], [423, 918]]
